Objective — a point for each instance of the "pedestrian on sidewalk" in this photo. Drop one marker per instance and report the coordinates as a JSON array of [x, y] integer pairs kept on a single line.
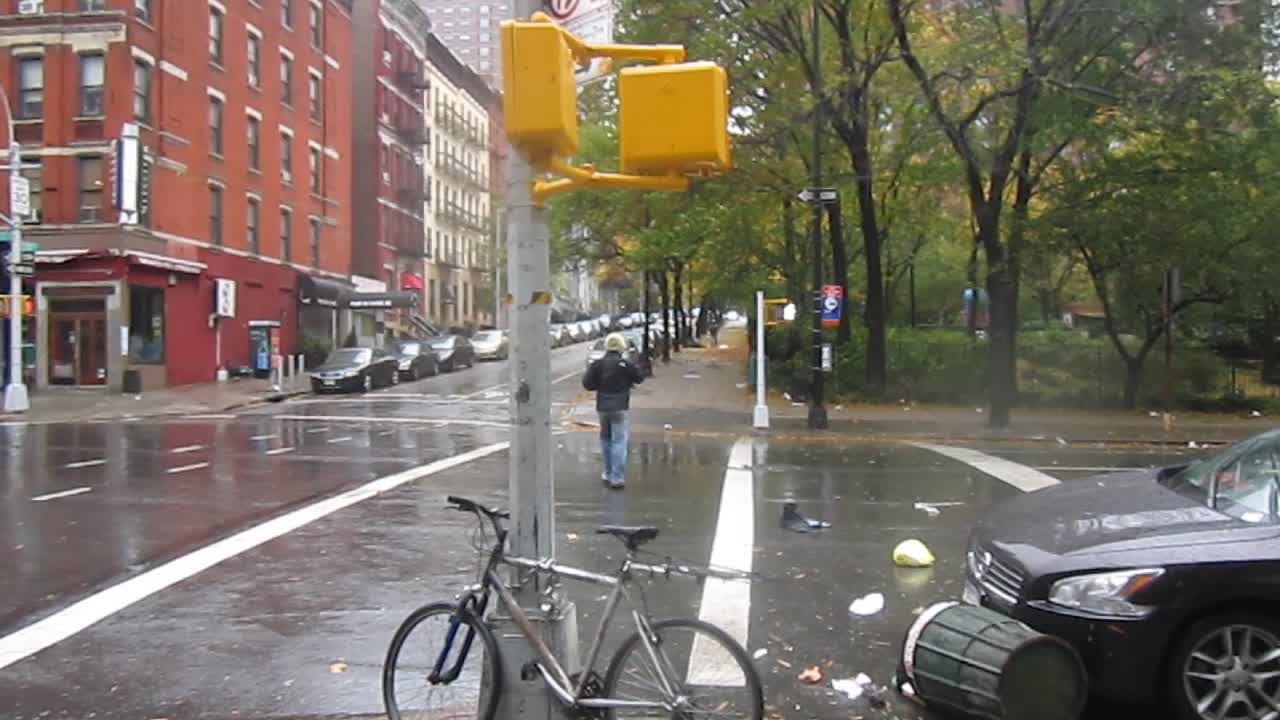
[[611, 379]]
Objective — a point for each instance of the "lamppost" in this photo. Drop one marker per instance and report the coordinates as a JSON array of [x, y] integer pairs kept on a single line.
[[15, 392]]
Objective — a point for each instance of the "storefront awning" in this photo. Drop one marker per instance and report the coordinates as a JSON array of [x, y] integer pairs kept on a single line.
[[378, 301], [321, 292], [411, 281]]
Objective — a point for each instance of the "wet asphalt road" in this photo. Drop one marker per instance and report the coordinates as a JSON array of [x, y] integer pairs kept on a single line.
[[297, 627]]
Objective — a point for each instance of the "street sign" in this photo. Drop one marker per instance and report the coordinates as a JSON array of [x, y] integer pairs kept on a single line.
[[827, 357], [832, 302], [824, 196], [25, 269], [589, 20], [224, 297], [19, 196]]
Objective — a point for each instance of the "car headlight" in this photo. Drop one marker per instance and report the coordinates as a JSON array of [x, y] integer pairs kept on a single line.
[[350, 373], [1106, 593], [404, 364]]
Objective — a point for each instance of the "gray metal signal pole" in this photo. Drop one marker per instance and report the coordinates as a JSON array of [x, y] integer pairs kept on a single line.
[[817, 409], [15, 391], [532, 490]]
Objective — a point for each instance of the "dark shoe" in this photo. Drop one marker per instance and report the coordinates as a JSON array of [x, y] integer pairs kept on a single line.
[[616, 485]]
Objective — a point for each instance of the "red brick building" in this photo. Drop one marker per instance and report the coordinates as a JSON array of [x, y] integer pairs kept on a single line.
[[242, 109]]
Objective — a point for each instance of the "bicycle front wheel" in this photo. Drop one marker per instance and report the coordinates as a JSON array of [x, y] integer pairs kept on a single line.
[[465, 658], [701, 672]]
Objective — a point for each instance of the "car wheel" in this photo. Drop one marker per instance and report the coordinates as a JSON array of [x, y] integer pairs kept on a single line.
[[395, 376], [1226, 666], [368, 383]]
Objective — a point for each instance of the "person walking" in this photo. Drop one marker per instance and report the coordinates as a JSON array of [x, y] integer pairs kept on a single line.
[[611, 379]]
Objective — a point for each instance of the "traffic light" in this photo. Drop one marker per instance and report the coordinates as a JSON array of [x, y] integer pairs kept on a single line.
[[28, 305], [540, 94], [674, 119]]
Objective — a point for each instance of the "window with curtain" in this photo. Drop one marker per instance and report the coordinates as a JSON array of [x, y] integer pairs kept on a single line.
[[252, 218], [215, 214], [215, 35], [315, 242], [92, 77], [141, 90], [30, 88], [313, 96], [90, 188], [252, 131], [286, 80], [286, 234], [254, 60], [215, 125], [286, 157]]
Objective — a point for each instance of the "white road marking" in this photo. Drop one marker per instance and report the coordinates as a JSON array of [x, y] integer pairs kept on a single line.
[[344, 438], [727, 603], [1022, 477], [562, 378], [71, 620], [211, 416], [185, 468], [64, 493], [440, 422], [1082, 468], [305, 417], [264, 437], [186, 449], [280, 450], [85, 464]]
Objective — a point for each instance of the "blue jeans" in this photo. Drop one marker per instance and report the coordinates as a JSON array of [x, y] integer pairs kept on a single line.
[[613, 445]]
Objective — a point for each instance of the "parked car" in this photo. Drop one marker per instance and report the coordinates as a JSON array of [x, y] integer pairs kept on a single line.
[[632, 355], [575, 332], [491, 345], [416, 359], [559, 335], [626, 322], [355, 369], [452, 352], [1167, 581]]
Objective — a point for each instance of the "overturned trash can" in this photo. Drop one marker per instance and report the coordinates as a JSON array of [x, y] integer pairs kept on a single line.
[[979, 662]]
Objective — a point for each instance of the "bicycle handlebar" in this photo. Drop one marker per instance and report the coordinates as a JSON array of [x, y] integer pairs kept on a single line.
[[462, 504]]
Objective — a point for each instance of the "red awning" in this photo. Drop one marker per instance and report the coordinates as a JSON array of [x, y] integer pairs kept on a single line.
[[410, 281]]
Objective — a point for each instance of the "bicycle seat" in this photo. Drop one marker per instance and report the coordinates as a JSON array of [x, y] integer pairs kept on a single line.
[[633, 536]]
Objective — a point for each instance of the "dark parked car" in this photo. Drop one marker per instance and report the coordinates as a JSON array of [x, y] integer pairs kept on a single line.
[[491, 345], [416, 359], [452, 352], [350, 369], [1166, 581]]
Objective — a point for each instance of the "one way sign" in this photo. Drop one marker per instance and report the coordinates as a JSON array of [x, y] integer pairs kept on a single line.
[[818, 195]]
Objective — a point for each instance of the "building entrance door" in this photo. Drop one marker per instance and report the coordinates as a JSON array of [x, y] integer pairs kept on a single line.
[[78, 346]]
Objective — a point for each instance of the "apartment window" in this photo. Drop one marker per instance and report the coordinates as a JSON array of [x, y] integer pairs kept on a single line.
[[485, 65], [286, 234], [254, 127], [286, 80], [313, 96], [314, 230], [142, 9], [251, 218], [215, 125], [91, 78], [33, 171], [313, 24], [215, 35], [90, 188], [141, 90], [255, 60], [93, 5], [31, 87], [314, 169], [215, 214], [146, 324], [484, 9], [286, 13], [484, 22], [286, 157]]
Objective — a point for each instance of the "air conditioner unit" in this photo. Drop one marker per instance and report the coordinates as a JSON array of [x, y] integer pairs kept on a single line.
[[30, 7], [386, 176], [386, 58], [286, 176]]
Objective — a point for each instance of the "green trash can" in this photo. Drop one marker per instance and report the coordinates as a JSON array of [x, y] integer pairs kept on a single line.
[[979, 662]]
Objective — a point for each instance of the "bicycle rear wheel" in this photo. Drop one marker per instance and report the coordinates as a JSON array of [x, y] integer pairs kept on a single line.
[[415, 651], [700, 662]]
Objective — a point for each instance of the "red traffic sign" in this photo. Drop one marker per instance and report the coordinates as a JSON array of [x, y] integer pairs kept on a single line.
[[832, 302]]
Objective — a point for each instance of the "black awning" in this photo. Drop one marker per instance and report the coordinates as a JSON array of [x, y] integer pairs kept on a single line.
[[380, 300], [321, 292]]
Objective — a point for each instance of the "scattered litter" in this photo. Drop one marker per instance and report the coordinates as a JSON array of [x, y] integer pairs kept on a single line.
[[792, 520], [571, 536], [1255, 413], [786, 395], [1153, 413], [760, 653], [867, 604], [978, 410], [848, 686], [1192, 445], [691, 376], [797, 404], [783, 663], [723, 346], [337, 666], [1061, 441], [666, 426], [930, 510], [741, 385], [913, 553], [811, 675], [839, 407]]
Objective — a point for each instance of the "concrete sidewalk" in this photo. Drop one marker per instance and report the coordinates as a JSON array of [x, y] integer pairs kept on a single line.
[[90, 404], [705, 390]]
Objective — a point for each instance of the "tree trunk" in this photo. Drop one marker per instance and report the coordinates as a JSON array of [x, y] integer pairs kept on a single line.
[[1132, 380], [664, 287], [679, 307], [874, 313], [795, 266], [1002, 323], [644, 339], [1270, 348]]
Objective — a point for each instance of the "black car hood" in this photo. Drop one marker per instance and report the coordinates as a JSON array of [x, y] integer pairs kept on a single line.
[[1109, 514], [337, 367]]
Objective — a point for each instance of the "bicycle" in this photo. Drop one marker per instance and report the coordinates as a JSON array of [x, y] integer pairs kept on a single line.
[[659, 646]]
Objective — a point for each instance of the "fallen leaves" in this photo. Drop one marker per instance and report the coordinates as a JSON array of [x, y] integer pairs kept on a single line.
[[811, 675], [337, 666]]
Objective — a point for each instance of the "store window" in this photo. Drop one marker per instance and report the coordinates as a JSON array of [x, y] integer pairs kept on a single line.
[[90, 189], [146, 324]]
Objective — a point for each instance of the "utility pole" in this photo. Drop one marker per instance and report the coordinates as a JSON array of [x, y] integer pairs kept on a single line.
[[531, 488], [15, 392], [644, 339], [817, 409]]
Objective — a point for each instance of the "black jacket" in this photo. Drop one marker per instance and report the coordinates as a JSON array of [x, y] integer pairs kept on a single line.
[[611, 378]]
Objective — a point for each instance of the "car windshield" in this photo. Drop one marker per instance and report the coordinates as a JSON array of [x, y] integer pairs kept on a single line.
[[1242, 481], [488, 336], [409, 348], [443, 342], [351, 356]]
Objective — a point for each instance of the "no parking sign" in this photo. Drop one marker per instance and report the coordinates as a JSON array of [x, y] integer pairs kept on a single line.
[[832, 302]]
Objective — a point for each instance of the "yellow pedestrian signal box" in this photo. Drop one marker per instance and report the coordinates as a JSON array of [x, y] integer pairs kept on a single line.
[[540, 94], [28, 305], [674, 119]]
